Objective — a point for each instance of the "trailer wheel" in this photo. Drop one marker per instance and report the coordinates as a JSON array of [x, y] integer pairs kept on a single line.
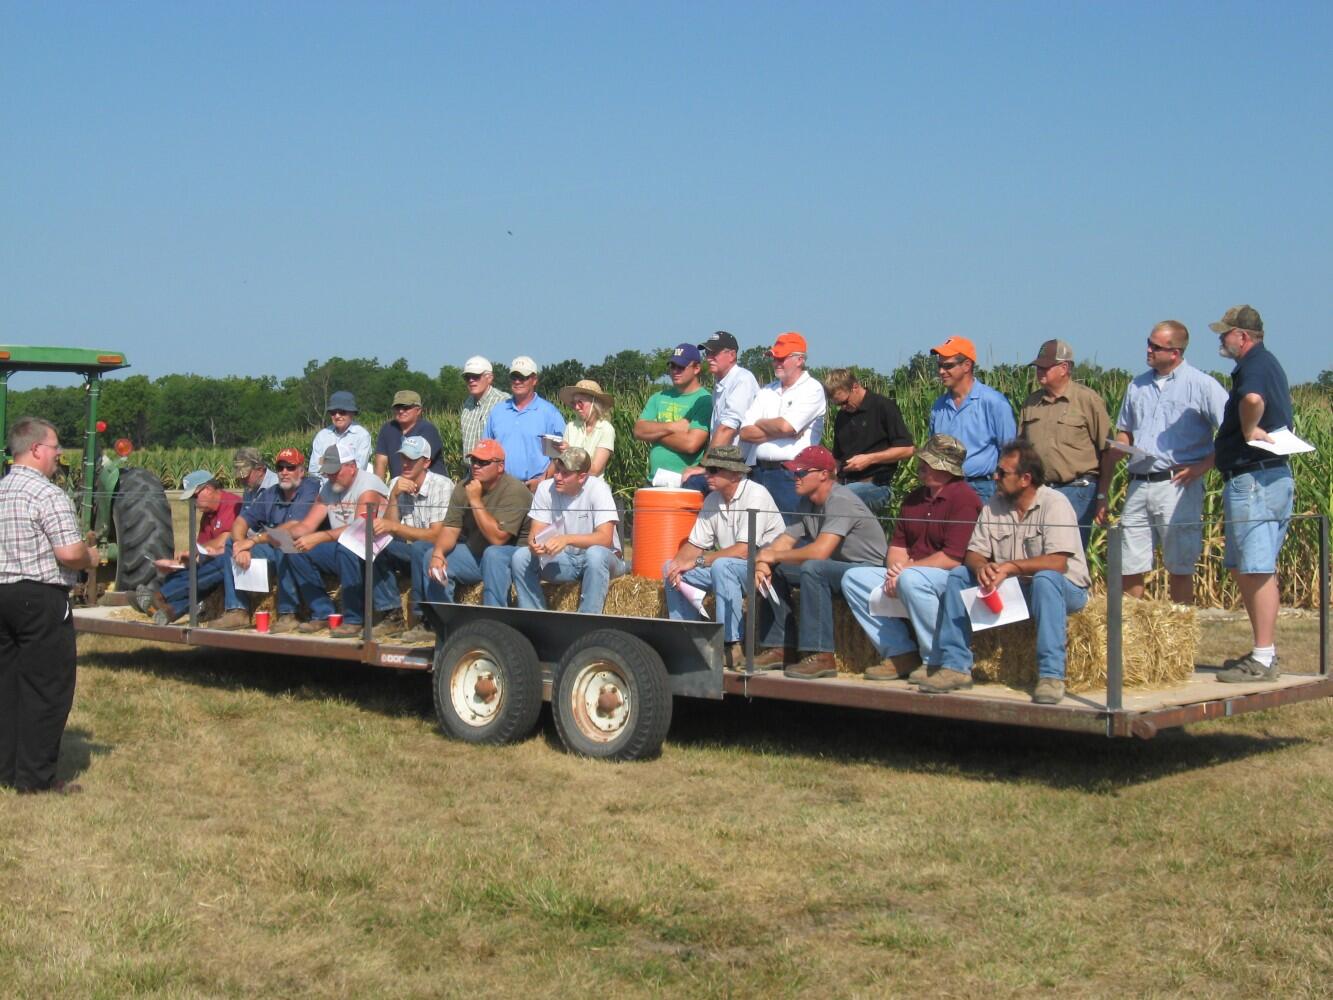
[[142, 519], [612, 697], [488, 684]]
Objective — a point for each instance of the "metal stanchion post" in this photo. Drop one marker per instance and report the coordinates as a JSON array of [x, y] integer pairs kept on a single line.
[[1323, 594], [752, 528], [192, 562], [368, 574], [1115, 599]]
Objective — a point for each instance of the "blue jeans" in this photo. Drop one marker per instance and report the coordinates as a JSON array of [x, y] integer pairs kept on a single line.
[[985, 487], [726, 579], [384, 584], [781, 486], [592, 569], [874, 497], [461, 566], [1084, 501], [920, 588], [819, 580], [1257, 510], [1051, 599], [299, 580], [209, 572], [232, 599]]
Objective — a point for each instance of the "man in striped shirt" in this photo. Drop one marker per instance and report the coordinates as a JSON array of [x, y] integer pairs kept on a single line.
[[478, 373]]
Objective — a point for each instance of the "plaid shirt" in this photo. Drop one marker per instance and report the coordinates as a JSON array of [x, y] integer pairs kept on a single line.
[[35, 519], [472, 418]]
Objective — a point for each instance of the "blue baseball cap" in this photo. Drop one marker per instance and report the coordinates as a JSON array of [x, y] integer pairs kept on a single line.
[[194, 482], [685, 354], [414, 447]]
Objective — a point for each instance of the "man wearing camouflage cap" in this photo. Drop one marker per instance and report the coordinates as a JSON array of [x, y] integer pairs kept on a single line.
[[252, 473]]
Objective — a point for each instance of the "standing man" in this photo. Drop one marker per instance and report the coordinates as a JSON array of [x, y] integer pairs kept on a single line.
[[786, 417], [342, 429], [252, 473], [41, 552], [1068, 425], [1171, 412], [479, 374], [971, 412], [519, 423], [407, 422], [675, 421], [734, 389], [870, 438], [1258, 489]]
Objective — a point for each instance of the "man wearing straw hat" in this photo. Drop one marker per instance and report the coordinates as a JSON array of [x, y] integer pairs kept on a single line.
[[252, 473], [482, 396], [734, 389], [713, 557], [675, 421], [930, 538], [572, 536], [520, 422], [590, 430], [971, 411]]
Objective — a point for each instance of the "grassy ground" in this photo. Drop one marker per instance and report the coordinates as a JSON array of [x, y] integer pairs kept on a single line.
[[256, 825]]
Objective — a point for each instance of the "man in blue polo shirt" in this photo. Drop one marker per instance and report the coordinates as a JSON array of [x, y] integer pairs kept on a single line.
[[1258, 489], [972, 413], [519, 422]]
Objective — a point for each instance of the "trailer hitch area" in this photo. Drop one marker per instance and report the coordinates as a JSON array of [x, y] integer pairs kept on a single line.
[[486, 688], [608, 700]]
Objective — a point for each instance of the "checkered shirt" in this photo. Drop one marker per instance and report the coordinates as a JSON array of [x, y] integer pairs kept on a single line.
[[472, 418], [35, 519]]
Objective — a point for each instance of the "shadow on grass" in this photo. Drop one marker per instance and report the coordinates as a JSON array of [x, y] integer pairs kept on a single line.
[[77, 749]]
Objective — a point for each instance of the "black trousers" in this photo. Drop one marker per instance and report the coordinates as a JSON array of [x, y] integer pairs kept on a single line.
[[36, 681]]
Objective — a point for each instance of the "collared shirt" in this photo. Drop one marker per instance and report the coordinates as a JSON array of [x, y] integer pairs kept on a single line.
[[36, 518], [802, 404], [390, 439], [508, 502], [356, 435], [670, 405], [250, 492], [1050, 527], [1172, 417], [721, 524], [428, 505], [602, 435], [217, 524], [845, 515], [1258, 372], [732, 396], [343, 506], [472, 416], [272, 507], [581, 514], [984, 423], [873, 426], [1069, 432], [940, 523], [520, 434]]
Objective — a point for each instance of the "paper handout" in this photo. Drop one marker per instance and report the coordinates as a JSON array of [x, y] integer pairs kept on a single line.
[[544, 536], [884, 606], [694, 595], [165, 565], [1284, 443], [354, 538], [280, 538], [1015, 607], [551, 445], [253, 579], [1135, 453], [667, 478]]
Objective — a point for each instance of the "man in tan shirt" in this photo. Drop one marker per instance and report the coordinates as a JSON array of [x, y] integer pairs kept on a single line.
[[1068, 425], [1025, 530]]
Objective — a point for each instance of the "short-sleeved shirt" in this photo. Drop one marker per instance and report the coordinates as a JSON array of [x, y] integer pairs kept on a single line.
[[984, 424], [272, 507], [508, 502], [873, 426], [1069, 432], [391, 438], [582, 514], [36, 518], [342, 506], [1172, 417], [602, 435], [428, 505], [721, 524], [802, 404], [1050, 527], [217, 524], [1259, 373], [520, 434], [844, 515], [940, 523], [250, 492], [732, 396], [355, 435], [472, 416], [672, 404]]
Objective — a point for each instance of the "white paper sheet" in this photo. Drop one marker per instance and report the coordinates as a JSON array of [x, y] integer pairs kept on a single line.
[[165, 565], [695, 596], [544, 536], [1284, 443], [354, 539], [254, 579], [281, 539], [551, 445], [765, 587], [884, 606], [1015, 607], [1135, 453], [667, 478]]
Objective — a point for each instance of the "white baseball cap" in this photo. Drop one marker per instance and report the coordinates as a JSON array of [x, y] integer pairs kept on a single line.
[[477, 365], [524, 365]]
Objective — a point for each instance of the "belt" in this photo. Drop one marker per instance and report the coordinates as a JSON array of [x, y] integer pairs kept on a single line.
[[1151, 477], [1267, 463], [765, 463], [1080, 481], [981, 479]]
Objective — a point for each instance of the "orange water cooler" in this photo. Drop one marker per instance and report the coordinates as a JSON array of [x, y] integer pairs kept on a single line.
[[662, 520]]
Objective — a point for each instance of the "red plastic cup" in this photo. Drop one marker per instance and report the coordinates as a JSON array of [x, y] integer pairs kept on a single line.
[[991, 599], [335, 620], [261, 621]]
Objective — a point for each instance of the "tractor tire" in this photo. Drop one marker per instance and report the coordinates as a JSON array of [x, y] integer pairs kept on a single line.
[[141, 518], [487, 684], [612, 697]]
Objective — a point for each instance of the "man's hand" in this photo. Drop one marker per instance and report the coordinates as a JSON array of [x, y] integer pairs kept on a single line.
[[554, 546], [437, 570], [992, 574], [676, 569], [307, 542], [382, 526], [763, 572], [473, 491], [1259, 434], [891, 579], [1100, 512], [857, 463], [405, 485], [693, 470], [241, 557], [1185, 474]]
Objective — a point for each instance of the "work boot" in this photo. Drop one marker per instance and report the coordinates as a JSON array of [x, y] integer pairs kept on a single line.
[[344, 630], [143, 598], [813, 665], [894, 668], [921, 673], [283, 623], [231, 621], [774, 657], [1248, 670], [945, 680], [390, 625], [733, 655], [417, 635], [1049, 691], [315, 626]]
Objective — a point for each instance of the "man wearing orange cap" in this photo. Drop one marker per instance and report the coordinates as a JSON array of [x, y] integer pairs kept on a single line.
[[971, 412], [786, 417]]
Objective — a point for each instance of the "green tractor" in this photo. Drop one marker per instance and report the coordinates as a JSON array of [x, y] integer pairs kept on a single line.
[[125, 505]]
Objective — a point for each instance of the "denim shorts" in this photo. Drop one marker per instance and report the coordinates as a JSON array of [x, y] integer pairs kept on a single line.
[[1257, 506], [1165, 515]]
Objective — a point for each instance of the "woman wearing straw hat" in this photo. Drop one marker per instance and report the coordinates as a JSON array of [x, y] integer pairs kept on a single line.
[[590, 430]]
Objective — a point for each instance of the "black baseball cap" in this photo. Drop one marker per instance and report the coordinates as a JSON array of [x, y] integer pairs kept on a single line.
[[720, 341]]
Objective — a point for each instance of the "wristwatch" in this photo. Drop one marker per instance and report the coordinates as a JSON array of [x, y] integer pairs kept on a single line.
[[699, 561]]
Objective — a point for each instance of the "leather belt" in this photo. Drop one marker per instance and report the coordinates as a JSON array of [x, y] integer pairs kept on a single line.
[[1151, 477], [1267, 463], [765, 463], [1080, 481]]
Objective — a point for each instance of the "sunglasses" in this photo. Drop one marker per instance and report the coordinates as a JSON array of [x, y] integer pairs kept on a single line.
[[481, 463], [470, 378], [401, 407], [287, 466], [341, 413], [1158, 348], [516, 377], [947, 366], [802, 473]]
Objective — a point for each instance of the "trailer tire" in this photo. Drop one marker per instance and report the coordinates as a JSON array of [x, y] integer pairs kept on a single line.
[[487, 684], [142, 519], [612, 697]]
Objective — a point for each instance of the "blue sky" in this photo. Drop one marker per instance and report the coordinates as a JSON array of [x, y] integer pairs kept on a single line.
[[237, 188]]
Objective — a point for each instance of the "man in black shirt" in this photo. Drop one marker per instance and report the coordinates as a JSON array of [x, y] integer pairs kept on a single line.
[[870, 438], [1258, 488]]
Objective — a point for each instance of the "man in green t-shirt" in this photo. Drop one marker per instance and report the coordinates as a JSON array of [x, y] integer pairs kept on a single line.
[[675, 421]]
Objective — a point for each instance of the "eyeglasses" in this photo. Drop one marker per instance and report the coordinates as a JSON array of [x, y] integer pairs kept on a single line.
[[1155, 348], [340, 413], [481, 463], [1002, 473], [44, 444], [287, 466], [516, 377]]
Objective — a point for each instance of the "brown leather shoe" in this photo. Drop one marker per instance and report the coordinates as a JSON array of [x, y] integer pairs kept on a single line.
[[812, 666], [733, 655], [417, 635], [315, 626], [774, 657], [230, 621], [284, 623], [921, 673], [894, 668], [392, 624], [945, 680], [346, 630]]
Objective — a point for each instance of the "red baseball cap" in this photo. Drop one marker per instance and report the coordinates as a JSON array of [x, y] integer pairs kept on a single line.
[[956, 345], [788, 343], [487, 449], [814, 457], [290, 455]]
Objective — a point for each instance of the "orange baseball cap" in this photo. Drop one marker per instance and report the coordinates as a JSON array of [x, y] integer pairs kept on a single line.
[[956, 345], [788, 343], [290, 455], [488, 449]]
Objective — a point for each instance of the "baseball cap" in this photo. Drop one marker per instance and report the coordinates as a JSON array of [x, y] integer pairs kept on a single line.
[[336, 456], [1239, 318], [194, 482], [814, 457], [477, 365], [720, 341], [944, 453], [342, 400], [956, 345], [406, 397], [289, 455], [246, 459], [684, 354], [575, 459], [414, 447], [1052, 353], [488, 449], [524, 365], [788, 343]]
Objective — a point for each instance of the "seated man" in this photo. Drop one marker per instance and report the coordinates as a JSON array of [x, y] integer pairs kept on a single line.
[[714, 556], [487, 519], [675, 421], [217, 510], [252, 473], [349, 491], [584, 545], [930, 539], [284, 505], [1026, 530], [833, 532]]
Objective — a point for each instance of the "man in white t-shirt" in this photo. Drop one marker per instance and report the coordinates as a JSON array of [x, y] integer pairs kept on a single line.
[[572, 536], [734, 389], [786, 417]]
